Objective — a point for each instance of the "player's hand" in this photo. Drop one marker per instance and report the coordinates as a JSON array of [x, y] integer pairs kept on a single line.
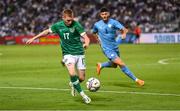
[[123, 36], [98, 41], [30, 41], [85, 46]]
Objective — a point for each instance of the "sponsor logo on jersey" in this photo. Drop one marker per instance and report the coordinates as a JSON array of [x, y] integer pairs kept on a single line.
[[62, 30]]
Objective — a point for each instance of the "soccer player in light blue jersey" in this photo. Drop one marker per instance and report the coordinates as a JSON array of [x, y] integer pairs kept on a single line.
[[105, 30]]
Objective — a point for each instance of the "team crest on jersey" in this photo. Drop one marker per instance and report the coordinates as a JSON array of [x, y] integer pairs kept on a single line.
[[71, 30], [109, 25]]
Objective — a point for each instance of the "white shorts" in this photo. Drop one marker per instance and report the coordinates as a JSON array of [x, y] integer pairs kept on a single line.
[[78, 60]]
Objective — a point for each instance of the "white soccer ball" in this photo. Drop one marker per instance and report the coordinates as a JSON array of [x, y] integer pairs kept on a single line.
[[93, 84]]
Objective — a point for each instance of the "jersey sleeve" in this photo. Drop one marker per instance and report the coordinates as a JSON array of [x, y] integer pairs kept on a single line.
[[94, 30], [80, 28], [53, 28], [118, 25]]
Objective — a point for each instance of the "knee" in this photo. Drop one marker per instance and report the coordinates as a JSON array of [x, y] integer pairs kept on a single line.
[[114, 65], [122, 65], [81, 79], [72, 73], [71, 69]]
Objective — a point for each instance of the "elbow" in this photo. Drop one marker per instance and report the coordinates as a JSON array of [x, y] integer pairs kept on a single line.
[[46, 32], [88, 40], [126, 30]]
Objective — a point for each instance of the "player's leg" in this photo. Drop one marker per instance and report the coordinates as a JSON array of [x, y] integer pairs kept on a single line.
[[76, 84], [108, 64], [137, 39], [69, 62], [114, 56], [126, 71], [124, 68], [81, 68], [81, 73]]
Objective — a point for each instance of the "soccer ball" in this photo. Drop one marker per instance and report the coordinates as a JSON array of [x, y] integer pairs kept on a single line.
[[93, 84]]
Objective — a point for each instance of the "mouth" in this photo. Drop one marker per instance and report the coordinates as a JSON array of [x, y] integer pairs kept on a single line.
[[105, 18]]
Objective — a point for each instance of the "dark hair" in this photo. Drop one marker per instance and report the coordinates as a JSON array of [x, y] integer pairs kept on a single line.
[[104, 9]]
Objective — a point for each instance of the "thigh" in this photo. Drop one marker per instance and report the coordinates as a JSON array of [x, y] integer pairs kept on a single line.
[[119, 62], [111, 54], [70, 61], [81, 67], [81, 64], [114, 56]]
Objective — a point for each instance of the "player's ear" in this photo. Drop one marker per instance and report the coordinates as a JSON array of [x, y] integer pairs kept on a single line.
[[63, 16], [99, 14], [108, 13], [60, 15]]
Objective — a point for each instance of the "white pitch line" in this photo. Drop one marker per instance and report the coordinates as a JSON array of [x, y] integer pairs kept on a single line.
[[165, 61], [101, 91], [35, 88], [141, 93]]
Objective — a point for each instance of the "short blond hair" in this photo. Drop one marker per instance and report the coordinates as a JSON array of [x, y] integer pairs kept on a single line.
[[68, 12]]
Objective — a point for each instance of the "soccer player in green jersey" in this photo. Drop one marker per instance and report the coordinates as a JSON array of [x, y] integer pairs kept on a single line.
[[70, 32]]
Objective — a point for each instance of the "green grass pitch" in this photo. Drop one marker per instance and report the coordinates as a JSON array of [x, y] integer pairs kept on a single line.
[[32, 78]]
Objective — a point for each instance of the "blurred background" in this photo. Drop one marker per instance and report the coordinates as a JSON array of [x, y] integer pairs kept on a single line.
[[32, 78], [29, 17]]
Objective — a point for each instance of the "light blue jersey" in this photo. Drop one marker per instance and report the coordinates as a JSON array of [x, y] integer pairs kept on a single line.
[[107, 36], [107, 33]]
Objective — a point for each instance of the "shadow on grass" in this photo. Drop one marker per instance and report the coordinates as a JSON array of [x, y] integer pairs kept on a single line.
[[129, 85], [96, 100]]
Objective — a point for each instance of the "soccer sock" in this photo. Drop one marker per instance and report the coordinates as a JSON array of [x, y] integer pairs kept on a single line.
[[128, 73], [82, 93], [75, 82], [106, 64]]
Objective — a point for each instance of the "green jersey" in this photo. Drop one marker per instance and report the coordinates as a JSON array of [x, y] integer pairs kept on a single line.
[[69, 37]]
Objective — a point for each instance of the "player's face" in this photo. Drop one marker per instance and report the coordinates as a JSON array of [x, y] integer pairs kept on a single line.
[[68, 19], [104, 15]]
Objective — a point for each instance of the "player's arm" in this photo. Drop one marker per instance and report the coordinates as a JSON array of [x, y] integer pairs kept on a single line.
[[86, 40], [43, 33], [121, 28], [83, 34], [123, 33], [96, 37], [95, 33]]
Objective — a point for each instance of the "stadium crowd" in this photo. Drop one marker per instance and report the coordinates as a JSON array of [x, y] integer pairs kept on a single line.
[[28, 17]]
